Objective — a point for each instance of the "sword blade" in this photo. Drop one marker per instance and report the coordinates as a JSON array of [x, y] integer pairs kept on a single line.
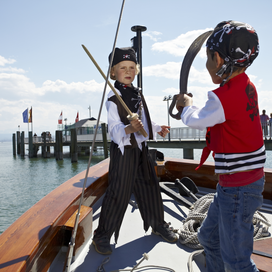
[[188, 60]]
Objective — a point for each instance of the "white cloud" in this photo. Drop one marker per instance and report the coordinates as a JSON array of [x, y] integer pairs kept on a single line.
[[199, 76], [153, 35], [77, 87], [179, 46], [169, 70], [12, 70], [4, 61], [171, 91], [20, 85], [16, 84], [18, 92]]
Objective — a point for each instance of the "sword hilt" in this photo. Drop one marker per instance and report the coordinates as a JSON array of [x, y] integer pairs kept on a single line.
[[177, 115], [134, 116]]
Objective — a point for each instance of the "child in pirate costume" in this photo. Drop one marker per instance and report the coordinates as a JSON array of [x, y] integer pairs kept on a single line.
[[234, 135], [131, 169]]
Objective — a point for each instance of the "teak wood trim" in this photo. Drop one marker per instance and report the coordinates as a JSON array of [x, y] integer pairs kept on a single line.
[[84, 229]]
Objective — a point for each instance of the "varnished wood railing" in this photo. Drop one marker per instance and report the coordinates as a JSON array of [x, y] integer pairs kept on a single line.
[[33, 240]]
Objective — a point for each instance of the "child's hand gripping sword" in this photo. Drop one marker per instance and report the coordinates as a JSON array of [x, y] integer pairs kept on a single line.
[[185, 68], [131, 116]]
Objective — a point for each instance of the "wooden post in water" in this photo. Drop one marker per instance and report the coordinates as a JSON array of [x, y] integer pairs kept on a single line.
[[105, 140], [30, 145], [48, 151], [35, 151], [73, 145], [18, 143], [45, 148], [14, 144], [22, 144], [59, 145], [188, 153]]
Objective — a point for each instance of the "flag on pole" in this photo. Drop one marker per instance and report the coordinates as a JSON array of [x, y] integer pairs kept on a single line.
[[25, 116], [77, 118], [30, 116], [60, 119]]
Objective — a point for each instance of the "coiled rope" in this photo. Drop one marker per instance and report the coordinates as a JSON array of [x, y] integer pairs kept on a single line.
[[198, 212]]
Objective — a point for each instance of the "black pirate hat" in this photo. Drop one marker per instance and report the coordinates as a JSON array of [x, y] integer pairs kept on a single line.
[[121, 54]]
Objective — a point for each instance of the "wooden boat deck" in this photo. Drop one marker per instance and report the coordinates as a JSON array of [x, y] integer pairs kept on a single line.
[[133, 242], [35, 239]]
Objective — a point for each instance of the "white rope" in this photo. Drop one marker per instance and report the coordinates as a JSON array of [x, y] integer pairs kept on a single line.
[[188, 231], [197, 214]]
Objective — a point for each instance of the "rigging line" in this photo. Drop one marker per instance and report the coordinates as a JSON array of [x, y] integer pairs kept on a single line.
[[72, 242]]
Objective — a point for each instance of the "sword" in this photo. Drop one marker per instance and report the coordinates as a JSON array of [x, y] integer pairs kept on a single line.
[[185, 68]]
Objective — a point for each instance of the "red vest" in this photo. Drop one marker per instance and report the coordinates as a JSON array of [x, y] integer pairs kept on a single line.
[[237, 144], [241, 132]]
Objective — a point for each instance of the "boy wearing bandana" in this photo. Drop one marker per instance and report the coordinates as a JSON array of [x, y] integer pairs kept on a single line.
[[234, 135], [131, 169]]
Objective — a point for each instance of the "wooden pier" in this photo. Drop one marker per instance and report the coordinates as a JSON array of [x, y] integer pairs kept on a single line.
[[78, 143]]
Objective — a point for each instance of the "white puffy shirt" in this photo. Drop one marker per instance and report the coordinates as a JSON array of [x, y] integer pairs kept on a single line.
[[116, 127]]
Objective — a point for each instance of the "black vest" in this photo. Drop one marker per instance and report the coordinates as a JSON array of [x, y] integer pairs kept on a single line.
[[123, 116]]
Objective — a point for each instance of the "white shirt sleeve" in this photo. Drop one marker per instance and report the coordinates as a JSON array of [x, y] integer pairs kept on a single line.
[[156, 128], [208, 116]]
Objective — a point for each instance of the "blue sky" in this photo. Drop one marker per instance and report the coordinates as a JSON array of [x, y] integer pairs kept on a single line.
[[43, 65]]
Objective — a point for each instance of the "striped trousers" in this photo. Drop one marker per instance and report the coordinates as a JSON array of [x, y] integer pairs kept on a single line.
[[127, 175]]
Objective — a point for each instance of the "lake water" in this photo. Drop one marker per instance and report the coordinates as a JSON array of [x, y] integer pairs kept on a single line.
[[24, 181]]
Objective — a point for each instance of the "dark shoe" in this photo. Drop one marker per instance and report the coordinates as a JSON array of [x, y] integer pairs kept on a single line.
[[166, 232], [102, 245]]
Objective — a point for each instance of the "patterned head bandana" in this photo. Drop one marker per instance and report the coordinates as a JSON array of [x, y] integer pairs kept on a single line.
[[237, 43]]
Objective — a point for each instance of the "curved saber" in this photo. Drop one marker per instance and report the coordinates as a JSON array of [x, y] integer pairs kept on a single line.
[[185, 69]]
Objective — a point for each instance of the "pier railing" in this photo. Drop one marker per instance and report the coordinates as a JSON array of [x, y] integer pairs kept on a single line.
[[184, 133], [183, 137], [180, 133]]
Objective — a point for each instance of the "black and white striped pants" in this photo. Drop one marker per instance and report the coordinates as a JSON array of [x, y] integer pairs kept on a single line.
[[127, 175]]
